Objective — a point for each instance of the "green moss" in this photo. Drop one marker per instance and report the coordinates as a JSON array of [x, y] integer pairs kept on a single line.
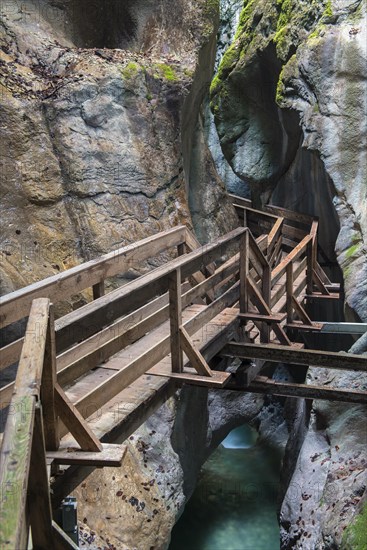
[[328, 12], [355, 535], [130, 71], [165, 71], [351, 250], [280, 88]]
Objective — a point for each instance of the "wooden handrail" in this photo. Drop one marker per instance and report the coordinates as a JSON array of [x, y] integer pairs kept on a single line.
[[16, 448], [16, 305]]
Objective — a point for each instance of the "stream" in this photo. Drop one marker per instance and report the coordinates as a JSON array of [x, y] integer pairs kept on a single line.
[[234, 506]]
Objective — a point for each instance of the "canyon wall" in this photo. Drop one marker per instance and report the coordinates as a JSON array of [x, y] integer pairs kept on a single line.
[[290, 101]]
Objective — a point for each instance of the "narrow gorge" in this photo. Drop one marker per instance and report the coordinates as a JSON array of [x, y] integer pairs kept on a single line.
[[121, 119]]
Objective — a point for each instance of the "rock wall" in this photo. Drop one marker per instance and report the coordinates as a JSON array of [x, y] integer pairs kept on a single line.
[[289, 101], [96, 142]]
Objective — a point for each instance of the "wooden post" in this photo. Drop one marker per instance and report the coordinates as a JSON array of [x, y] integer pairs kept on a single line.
[[244, 272], [175, 304], [309, 272], [266, 292], [49, 378], [39, 490], [98, 290], [181, 249], [289, 291]]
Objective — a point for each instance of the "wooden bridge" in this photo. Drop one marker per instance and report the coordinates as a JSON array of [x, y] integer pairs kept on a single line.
[[96, 374]]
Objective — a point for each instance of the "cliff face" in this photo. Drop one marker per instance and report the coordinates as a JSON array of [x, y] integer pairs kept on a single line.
[[96, 143], [289, 101]]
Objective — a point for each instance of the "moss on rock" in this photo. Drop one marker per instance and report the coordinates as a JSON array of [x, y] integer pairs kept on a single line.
[[355, 535]]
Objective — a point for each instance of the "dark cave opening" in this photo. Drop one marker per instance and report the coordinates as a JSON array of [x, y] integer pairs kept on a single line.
[[110, 24]]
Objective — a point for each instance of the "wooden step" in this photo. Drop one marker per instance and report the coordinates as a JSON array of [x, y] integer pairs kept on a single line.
[[274, 318], [315, 327], [319, 296]]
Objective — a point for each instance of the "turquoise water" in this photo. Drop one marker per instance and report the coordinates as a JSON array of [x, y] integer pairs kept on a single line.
[[234, 504]]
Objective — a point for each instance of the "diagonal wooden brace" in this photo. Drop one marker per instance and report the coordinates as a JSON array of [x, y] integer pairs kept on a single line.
[[193, 354], [75, 423]]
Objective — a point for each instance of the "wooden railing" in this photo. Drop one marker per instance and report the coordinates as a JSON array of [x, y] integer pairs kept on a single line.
[[25, 499]]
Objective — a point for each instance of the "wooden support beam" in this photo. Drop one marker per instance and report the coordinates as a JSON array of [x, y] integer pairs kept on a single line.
[[196, 359], [319, 296], [60, 539], [314, 327], [244, 272], [49, 379], [110, 455], [266, 292], [75, 423], [290, 355], [39, 489], [289, 292], [175, 305], [253, 316], [299, 309], [98, 290], [318, 281], [265, 310], [287, 389]]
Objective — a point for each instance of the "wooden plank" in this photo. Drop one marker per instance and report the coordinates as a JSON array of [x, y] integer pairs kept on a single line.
[[319, 296], [274, 235], [6, 394], [38, 489], [49, 378], [240, 201], [110, 455], [314, 327], [75, 422], [60, 539], [304, 219], [285, 354], [90, 318], [175, 312], [16, 305], [139, 365], [273, 318], [121, 416], [288, 389], [99, 348], [196, 359], [10, 354], [15, 457], [279, 270], [29, 374], [217, 379]]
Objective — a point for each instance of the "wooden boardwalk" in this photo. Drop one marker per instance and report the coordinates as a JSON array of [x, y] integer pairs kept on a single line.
[[93, 376]]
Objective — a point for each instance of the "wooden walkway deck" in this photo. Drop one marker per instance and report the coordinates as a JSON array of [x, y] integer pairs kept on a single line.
[[96, 374]]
